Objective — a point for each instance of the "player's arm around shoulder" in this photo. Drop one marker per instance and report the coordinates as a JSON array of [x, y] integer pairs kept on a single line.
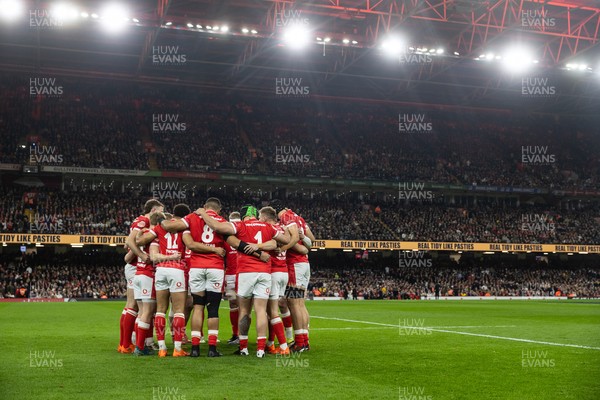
[[146, 238], [292, 230], [224, 228], [284, 237], [308, 233], [157, 257], [174, 225], [235, 243], [131, 242], [198, 247], [268, 246], [298, 248]]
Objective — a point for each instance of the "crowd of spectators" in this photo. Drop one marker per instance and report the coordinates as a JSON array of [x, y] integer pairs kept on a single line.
[[88, 127], [373, 281], [62, 276], [98, 275], [344, 218], [113, 126]]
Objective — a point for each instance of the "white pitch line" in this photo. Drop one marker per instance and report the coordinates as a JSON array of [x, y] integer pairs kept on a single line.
[[396, 327], [463, 333], [357, 328]]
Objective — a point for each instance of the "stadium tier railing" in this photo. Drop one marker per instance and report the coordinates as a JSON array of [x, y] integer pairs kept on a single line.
[[107, 240]]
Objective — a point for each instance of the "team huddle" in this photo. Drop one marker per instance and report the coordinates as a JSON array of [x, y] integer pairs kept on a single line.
[[187, 260]]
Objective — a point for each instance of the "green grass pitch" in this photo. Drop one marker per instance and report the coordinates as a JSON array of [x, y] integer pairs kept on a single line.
[[364, 349]]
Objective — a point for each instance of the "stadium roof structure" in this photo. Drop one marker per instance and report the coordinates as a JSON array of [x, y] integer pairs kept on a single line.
[[450, 52]]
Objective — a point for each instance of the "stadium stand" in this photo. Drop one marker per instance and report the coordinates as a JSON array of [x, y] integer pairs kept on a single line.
[[84, 276], [111, 213], [371, 282], [60, 276], [338, 139]]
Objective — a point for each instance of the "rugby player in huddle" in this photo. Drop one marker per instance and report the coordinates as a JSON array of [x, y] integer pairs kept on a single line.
[[130, 312], [207, 270], [265, 261], [253, 276]]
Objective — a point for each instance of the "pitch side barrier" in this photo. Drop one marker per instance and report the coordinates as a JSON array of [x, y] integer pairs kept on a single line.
[[108, 240], [327, 298], [53, 300], [465, 298]]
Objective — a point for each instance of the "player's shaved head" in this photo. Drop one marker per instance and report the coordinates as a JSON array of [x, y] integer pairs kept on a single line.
[[181, 210], [267, 214], [235, 216], [212, 203], [153, 205]]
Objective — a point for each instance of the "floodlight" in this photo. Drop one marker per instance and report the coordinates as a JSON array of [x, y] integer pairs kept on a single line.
[[114, 17], [296, 36], [11, 10], [64, 12]]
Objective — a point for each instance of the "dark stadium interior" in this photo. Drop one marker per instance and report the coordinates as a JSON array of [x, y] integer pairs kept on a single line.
[[444, 153], [240, 63]]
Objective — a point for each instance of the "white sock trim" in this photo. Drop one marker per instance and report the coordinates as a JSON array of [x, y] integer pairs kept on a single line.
[[275, 321], [196, 334], [211, 332], [283, 315], [143, 325]]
